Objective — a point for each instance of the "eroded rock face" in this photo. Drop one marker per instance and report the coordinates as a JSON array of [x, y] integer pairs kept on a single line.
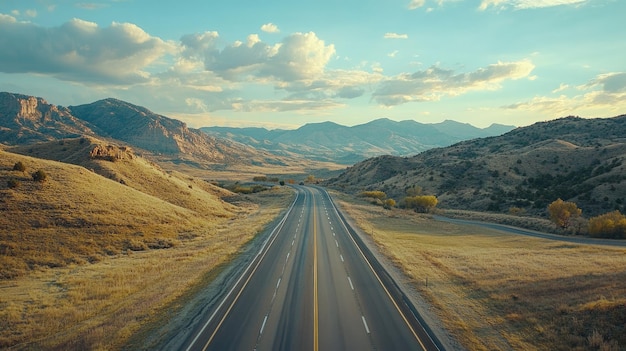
[[112, 153], [27, 119]]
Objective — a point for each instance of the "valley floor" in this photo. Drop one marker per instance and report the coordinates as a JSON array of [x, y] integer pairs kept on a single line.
[[495, 290]]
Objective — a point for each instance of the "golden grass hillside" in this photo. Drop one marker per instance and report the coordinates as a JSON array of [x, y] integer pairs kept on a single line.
[[499, 291], [85, 260], [78, 216]]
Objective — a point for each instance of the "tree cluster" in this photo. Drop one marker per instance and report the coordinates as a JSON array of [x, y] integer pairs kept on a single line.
[[609, 225], [421, 203]]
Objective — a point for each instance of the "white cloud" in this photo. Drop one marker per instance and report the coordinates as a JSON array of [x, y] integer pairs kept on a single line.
[[605, 94], [396, 36], [270, 28], [80, 51], [434, 83], [560, 88], [393, 53], [299, 56], [527, 4], [611, 82], [414, 4]]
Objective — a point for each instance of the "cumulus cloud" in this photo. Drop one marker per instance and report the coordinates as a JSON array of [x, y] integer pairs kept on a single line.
[[270, 28], [527, 4], [396, 36], [606, 92], [79, 51], [299, 56], [434, 83], [611, 82]]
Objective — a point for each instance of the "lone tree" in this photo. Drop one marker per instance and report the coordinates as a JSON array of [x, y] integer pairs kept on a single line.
[[562, 213]]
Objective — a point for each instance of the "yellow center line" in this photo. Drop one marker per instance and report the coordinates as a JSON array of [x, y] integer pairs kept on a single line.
[[315, 311]]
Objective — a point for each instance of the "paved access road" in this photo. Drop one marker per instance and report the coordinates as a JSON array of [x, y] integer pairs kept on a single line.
[[310, 288]]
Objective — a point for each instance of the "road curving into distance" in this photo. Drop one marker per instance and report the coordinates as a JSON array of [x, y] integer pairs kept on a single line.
[[312, 286]]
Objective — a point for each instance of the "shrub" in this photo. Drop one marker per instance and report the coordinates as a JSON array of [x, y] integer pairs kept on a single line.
[[19, 166], [13, 183], [421, 203], [389, 203], [608, 225], [40, 176], [376, 194]]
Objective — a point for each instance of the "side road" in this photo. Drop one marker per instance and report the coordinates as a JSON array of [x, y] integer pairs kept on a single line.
[[528, 232]]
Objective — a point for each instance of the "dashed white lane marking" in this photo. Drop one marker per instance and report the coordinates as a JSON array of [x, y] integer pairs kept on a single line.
[[293, 242], [341, 256], [367, 330], [287, 256], [278, 283], [263, 325], [350, 281], [336, 243]]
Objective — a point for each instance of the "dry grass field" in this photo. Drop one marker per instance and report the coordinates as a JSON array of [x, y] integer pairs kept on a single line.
[[498, 291], [86, 260]]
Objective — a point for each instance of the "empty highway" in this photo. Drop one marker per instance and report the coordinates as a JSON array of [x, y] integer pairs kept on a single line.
[[309, 288]]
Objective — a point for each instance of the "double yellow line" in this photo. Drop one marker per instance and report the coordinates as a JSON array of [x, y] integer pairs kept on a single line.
[[315, 306]]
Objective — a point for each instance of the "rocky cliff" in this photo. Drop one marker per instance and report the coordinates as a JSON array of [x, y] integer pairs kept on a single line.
[[26, 119]]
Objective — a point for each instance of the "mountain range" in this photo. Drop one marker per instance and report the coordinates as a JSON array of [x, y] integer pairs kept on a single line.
[[329, 141], [572, 158], [26, 120]]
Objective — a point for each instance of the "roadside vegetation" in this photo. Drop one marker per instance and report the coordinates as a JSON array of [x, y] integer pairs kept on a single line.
[[499, 291]]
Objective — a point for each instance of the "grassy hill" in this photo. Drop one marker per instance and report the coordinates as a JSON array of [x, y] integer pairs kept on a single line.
[[84, 212], [575, 159]]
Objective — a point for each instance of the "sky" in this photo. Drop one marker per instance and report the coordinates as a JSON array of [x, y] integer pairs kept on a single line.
[[285, 63]]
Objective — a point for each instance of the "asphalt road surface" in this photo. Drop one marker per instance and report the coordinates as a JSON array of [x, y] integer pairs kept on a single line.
[[310, 288]]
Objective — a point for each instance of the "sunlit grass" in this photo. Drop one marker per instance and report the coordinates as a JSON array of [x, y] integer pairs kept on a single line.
[[86, 261], [494, 290]]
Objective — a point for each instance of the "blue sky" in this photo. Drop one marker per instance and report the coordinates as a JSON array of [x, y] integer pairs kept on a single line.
[[282, 64]]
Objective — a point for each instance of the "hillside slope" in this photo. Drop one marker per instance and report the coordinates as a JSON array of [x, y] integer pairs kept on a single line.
[[78, 215], [571, 158]]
